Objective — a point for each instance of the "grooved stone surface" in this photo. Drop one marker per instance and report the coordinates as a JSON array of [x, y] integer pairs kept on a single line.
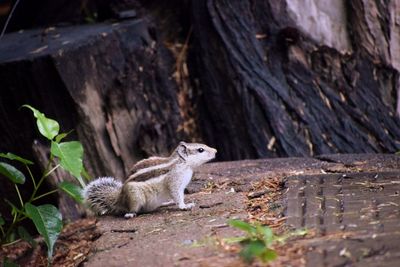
[[351, 202], [356, 217]]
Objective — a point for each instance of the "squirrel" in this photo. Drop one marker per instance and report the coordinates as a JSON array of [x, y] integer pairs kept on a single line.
[[152, 183]]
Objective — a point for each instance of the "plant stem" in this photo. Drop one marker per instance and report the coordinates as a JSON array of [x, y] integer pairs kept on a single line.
[[52, 170], [19, 196], [9, 244], [22, 218], [45, 174], [45, 194], [9, 230], [16, 220], [31, 175]]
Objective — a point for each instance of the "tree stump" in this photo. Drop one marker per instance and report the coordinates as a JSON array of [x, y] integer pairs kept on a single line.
[[110, 83], [267, 88]]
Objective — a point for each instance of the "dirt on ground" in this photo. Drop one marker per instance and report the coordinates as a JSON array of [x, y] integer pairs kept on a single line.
[[349, 205]]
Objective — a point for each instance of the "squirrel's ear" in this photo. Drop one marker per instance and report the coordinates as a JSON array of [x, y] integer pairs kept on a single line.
[[182, 150]]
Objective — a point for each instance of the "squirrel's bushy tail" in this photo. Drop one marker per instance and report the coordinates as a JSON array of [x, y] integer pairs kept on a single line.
[[102, 195]]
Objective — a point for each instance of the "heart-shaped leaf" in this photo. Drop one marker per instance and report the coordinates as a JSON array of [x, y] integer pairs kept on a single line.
[[12, 156], [72, 190], [12, 173], [49, 128], [70, 155], [48, 222]]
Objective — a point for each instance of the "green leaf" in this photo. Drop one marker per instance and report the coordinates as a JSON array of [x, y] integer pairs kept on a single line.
[[268, 255], [70, 155], [266, 234], [12, 156], [49, 128], [242, 226], [86, 175], [48, 222], [12, 173], [62, 136], [8, 263], [73, 190], [252, 249], [24, 235]]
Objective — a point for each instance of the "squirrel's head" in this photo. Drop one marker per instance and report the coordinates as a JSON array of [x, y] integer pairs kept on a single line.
[[195, 154]]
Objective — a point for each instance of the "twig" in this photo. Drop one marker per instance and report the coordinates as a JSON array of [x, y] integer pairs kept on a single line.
[[123, 230], [258, 193], [210, 205]]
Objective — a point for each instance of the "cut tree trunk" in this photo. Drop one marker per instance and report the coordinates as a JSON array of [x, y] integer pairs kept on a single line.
[[110, 83]]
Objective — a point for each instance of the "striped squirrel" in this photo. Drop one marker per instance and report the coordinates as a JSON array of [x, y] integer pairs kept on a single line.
[[152, 183]]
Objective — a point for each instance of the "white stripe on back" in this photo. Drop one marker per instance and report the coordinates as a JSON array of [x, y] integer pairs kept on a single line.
[[152, 168]]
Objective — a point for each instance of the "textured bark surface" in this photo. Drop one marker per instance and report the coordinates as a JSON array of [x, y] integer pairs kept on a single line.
[[33, 14], [110, 83], [268, 89]]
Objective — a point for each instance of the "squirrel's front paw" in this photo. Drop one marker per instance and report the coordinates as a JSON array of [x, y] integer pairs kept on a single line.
[[187, 206]]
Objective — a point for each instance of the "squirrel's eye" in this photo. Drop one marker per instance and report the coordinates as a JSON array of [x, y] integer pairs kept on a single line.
[[200, 150]]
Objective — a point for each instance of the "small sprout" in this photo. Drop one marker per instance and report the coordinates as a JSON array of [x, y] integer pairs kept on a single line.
[[258, 241]]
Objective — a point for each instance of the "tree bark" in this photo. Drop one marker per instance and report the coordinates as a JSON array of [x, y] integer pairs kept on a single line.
[[268, 89], [110, 83]]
